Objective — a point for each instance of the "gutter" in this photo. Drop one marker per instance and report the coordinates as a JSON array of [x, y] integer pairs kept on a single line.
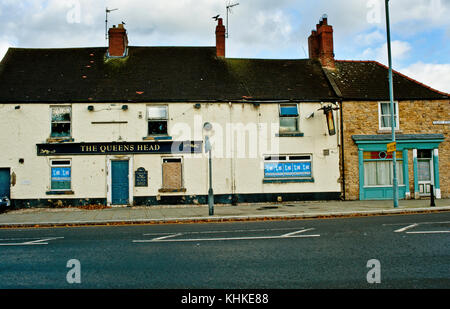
[[175, 101]]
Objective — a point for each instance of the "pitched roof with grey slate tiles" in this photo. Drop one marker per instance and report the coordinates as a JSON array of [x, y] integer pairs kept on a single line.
[[369, 80], [152, 74], [155, 74]]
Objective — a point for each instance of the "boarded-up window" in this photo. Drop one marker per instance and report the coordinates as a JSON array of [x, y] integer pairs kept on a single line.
[[172, 174], [61, 174]]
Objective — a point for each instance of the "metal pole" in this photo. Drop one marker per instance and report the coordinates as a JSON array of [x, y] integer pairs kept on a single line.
[[210, 191], [432, 203], [106, 26], [226, 30], [391, 96]]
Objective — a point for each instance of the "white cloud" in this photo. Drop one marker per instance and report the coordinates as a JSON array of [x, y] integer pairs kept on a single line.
[[264, 28], [436, 76], [400, 51], [371, 38]]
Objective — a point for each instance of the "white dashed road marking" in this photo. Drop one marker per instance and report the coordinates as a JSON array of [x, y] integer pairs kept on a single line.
[[36, 241], [284, 236]]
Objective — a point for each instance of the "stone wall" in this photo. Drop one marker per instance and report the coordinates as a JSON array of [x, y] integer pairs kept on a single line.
[[416, 117]]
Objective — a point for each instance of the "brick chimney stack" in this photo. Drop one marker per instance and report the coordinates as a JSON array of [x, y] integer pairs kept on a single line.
[[220, 38], [320, 44], [118, 41]]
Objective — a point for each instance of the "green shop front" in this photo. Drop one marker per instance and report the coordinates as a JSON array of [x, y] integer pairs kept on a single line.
[[376, 165]]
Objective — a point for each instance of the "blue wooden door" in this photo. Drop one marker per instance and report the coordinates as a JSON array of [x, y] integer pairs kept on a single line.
[[5, 182], [120, 184]]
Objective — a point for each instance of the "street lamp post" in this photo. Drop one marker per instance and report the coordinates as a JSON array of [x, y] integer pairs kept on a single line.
[[207, 128], [391, 96]]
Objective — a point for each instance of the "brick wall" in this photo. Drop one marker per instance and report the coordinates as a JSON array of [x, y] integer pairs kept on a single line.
[[416, 117]]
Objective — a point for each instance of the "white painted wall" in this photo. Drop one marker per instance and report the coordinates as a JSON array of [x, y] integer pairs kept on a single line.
[[233, 171]]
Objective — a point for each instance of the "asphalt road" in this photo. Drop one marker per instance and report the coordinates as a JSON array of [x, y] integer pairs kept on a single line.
[[401, 251]]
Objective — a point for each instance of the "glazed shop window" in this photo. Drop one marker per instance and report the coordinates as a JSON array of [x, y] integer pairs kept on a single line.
[[378, 168], [288, 118], [61, 175], [384, 113], [61, 121], [288, 166], [157, 119]]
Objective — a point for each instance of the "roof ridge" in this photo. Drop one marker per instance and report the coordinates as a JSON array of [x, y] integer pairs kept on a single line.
[[355, 61]]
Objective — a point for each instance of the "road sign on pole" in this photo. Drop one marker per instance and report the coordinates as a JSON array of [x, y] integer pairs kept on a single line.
[[391, 147]]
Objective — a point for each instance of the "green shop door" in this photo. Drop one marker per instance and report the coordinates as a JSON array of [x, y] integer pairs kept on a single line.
[[5, 183], [119, 183]]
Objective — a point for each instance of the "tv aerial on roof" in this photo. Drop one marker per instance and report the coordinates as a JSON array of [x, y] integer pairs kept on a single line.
[[107, 11], [229, 6]]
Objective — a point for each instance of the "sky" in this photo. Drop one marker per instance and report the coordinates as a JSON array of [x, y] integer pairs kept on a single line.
[[275, 29]]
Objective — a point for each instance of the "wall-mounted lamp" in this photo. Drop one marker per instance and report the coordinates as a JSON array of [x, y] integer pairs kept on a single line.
[[124, 107], [197, 106], [17, 107], [90, 108], [328, 111], [21, 160]]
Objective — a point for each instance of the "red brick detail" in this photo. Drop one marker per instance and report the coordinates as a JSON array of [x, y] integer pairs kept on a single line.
[[118, 41], [220, 39], [320, 44], [313, 45]]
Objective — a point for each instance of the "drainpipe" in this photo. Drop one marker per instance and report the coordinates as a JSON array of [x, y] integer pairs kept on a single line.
[[341, 109]]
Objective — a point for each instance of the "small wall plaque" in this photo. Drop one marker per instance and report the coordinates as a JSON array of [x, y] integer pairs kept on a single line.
[[141, 177]]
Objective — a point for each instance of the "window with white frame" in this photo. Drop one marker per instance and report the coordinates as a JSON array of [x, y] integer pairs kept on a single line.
[[157, 116], [288, 166], [384, 115], [61, 119], [289, 118], [61, 174]]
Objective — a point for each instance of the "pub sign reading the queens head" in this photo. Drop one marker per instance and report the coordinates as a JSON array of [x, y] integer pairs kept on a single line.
[[120, 148]]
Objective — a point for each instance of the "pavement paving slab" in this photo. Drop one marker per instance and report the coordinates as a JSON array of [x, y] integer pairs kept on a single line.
[[200, 213]]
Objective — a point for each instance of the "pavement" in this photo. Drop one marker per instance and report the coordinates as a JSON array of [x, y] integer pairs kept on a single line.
[[74, 216]]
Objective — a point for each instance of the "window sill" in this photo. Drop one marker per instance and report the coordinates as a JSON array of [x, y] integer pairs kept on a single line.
[[382, 186], [166, 190], [290, 134], [64, 192], [388, 131], [157, 138], [288, 180], [59, 140]]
